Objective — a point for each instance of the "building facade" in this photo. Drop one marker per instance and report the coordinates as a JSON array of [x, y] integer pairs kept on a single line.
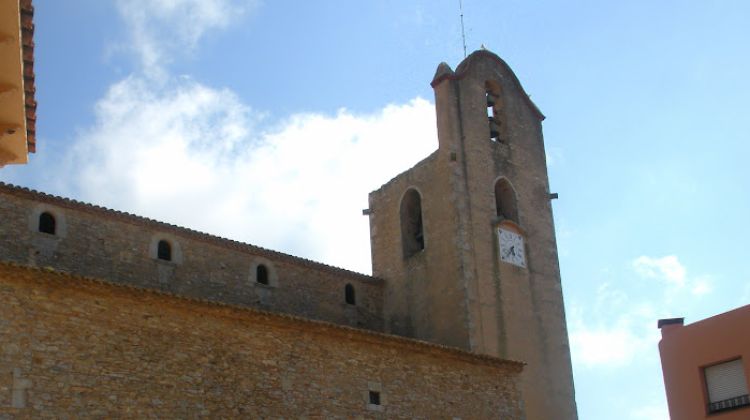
[[139, 317], [706, 366], [17, 104], [77, 347], [466, 240]]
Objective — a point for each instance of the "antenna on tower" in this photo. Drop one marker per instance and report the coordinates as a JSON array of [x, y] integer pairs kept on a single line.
[[463, 33]]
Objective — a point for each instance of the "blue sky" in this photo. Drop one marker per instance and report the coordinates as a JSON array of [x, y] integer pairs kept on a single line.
[[269, 122]]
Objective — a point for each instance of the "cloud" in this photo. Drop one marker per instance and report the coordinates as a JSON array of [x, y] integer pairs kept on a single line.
[[160, 28], [666, 268], [657, 411], [702, 286], [174, 149], [605, 345], [612, 332], [198, 157], [555, 156], [669, 270]]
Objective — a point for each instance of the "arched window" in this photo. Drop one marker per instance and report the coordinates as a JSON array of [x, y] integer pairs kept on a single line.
[[412, 233], [47, 223], [349, 294], [505, 201], [261, 274], [164, 251]]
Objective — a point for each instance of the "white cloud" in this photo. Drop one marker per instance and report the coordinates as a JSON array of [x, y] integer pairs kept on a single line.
[[666, 268], [657, 411], [555, 156], [612, 332], [670, 270], [605, 346], [194, 156], [179, 151], [701, 286], [159, 28]]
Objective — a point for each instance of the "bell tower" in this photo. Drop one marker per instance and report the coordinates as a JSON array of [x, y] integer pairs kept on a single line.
[[465, 239]]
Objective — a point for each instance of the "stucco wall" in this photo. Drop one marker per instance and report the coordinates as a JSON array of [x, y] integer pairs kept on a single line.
[[79, 348], [686, 350], [106, 244]]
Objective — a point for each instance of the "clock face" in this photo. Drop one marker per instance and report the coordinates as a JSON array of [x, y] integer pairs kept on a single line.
[[511, 247]]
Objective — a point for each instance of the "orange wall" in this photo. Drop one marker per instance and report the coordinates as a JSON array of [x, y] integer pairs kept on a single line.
[[686, 350]]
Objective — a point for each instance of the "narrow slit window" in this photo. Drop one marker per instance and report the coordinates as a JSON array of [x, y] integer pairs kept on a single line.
[[412, 229], [349, 294], [261, 274], [164, 251], [47, 223]]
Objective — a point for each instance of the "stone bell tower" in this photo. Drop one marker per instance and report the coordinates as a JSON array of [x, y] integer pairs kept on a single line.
[[465, 239]]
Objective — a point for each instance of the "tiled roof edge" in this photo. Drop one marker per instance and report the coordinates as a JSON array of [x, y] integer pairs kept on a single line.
[[29, 86], [179, 230]]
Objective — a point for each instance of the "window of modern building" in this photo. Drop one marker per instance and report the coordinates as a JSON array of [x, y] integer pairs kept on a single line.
[[505, 201], [164, 251], [261, 274], [412, 233], [47, 223], [726, 386], [349, 294]]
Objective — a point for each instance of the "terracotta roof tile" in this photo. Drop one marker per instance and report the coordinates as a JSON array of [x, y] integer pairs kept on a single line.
[[178, 230], [27, 39]]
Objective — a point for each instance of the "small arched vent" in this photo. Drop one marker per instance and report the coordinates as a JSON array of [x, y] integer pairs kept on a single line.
[[164, 251], [349, 294], [47, 223], [261, 274]]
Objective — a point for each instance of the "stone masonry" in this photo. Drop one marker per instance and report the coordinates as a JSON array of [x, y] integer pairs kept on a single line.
[[456, 291], [74, 347], [96, 322], [97, 242]]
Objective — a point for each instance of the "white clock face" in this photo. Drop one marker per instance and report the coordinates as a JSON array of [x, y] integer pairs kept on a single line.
[[511, 247]]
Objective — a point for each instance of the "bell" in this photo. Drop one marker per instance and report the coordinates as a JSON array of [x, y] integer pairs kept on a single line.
[[494, 128], [490, 100]]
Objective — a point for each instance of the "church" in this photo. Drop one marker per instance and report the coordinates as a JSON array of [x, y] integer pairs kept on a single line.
[[108, 314]]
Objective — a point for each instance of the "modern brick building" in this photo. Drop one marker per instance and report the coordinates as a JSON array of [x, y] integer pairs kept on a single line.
[[706, 366], [111, 314]]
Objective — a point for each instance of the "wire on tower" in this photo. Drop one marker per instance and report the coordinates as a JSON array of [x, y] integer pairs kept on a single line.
[[463, 33]]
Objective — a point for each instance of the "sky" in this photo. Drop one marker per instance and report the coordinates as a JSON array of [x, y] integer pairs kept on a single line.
[[270, 122]]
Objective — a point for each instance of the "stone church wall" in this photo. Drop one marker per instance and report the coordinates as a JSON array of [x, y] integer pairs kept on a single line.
[[82, 348], [97, 242]]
